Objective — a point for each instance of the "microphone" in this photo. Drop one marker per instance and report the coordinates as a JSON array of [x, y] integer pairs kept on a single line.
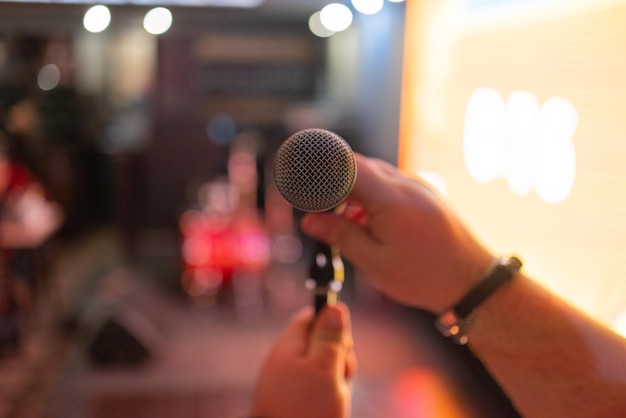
[[315, 170]]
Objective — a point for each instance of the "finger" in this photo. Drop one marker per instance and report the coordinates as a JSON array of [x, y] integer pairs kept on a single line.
[[293, 339], [352, 236], [352, 365], [371, 183], [387, 173], [355, 213], [354, 241], [331, 339], [381, 165]]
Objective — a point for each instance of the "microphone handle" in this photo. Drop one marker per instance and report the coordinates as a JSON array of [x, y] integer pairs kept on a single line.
[[327, 275], [319, 301]]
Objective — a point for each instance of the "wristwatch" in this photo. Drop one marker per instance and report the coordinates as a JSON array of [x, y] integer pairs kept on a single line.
[[455, 322]]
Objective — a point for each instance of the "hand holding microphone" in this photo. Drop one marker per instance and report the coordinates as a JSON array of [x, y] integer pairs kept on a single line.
[[410, 244], [308, 372], [315, 170]]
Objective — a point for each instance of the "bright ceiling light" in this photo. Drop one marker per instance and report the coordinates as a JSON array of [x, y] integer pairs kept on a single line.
[[316, 27], [368, 7], [97, 18], [157, 21], [226, 3], [336, 17], [193, 3], [396, 1]]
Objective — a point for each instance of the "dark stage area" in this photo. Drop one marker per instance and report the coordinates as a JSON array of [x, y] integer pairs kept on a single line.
[[166, 355]]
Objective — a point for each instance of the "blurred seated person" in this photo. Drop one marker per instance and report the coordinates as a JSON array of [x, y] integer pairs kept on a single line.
[[27, 215], [28, 218]]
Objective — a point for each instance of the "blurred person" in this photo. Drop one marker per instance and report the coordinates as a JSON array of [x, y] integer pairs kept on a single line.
[[27, 219], [28, 215], [225, 248], [22, 126], [549, 358]]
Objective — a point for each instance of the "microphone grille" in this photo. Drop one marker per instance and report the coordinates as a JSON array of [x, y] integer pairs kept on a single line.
[[314, 170]]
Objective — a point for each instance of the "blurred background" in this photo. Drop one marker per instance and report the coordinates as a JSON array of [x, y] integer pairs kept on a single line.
[[148, 262]]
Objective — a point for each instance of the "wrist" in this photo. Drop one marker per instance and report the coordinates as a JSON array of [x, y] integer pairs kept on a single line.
[[466, 274], [507, 309], [455, 322]]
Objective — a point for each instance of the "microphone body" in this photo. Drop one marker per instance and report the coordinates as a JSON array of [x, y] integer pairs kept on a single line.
[[315, 170]]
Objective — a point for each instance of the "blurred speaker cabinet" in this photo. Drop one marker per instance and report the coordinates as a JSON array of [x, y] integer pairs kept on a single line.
[[114, 344]]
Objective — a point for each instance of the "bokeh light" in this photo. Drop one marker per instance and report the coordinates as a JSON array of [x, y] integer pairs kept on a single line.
[[527, 144], [368, 7], [158, 21], [336, 17], [221, 129], [316, 27], [49, 77], [97, 18]]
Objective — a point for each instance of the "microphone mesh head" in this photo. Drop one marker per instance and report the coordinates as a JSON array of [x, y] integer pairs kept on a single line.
[[314, 170]]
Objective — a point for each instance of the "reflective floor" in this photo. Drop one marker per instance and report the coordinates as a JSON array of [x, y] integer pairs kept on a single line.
[[200, 360]]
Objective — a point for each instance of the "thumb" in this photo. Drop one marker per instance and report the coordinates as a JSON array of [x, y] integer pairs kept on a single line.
[[331, 339]]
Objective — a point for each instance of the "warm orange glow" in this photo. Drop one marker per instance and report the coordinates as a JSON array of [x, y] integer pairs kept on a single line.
[[536, 162], [410, 76], [422, 393]]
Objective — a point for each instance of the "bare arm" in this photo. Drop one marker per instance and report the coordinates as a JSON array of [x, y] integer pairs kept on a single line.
[[549, 357]]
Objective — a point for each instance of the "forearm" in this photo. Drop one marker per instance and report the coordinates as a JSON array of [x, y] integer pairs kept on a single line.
[[548, 357]]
